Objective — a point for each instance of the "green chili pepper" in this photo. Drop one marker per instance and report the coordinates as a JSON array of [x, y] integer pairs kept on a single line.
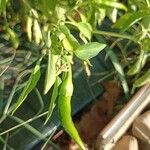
[[64, 108]]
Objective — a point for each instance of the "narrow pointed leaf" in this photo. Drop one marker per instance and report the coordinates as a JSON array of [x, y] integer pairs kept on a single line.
[[51, 71], [37, 34], [29, 28], [71, 39], [110, 3], [119, 70], [129, 19], [117, 67], [13, 37], [53, 98], [137, 66], [143, 79], [31, 84]]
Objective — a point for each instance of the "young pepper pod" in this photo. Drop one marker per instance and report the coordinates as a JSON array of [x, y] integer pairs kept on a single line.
[[64, 109]]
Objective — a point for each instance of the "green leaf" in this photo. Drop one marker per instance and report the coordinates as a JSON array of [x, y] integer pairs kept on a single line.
[[64, 30], [13, 37], [86, 29], [37, 34], [146, 44], [48, 39], [89, 50], [137, 66], [146, 22], [30, 85], [83, 17], [117, 66], [122, 20], [51, 71], [119, 70], [67, 45], [112, 14], [129, 19], [143, 79], [29, 27], [71, 39], [53, 98], [110, 3], [3, 4], [48, 5]]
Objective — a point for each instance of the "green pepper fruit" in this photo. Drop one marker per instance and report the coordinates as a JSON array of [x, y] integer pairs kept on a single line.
[[64, 108]]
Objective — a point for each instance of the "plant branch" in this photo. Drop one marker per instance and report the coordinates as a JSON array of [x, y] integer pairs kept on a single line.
[[113, 34]]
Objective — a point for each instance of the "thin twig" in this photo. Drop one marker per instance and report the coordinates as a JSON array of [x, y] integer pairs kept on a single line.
[[47, 141], [2, 72], [24, 73], [35, 131], [21, 124], [40, 101], [113, 34]]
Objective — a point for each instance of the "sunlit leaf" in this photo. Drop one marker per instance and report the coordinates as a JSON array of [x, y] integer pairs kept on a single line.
[[85, 29], [51, 71], [37, 32], [143, 79], [137, 66], [71, 39], [83, 17], [112, 14], [53, 98], [129, 19], [110, 3], [146, 44], [29, 28], [90, 50], [13, 37], [67, 45]]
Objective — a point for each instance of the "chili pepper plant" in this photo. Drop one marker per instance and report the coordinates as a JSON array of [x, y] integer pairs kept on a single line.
[[63, 31]]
